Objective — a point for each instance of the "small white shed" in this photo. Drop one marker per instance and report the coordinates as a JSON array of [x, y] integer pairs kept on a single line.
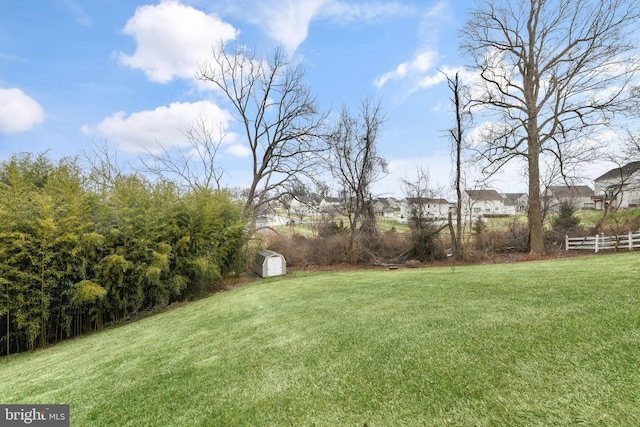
[[269, 263]]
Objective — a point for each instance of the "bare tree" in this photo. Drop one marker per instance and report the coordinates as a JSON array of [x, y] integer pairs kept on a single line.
[[103, 166], [297, 199], [195, 165], [553, 72], [460, 100], [427, 213], [355, 164], [278, 115], [631, 147]]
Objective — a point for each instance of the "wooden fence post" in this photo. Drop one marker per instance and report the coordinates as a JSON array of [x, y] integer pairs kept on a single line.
[[630, 241], [597, 239], [566, 242]]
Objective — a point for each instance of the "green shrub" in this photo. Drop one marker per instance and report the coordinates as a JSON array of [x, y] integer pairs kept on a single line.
[[566, 221], [74, 256]]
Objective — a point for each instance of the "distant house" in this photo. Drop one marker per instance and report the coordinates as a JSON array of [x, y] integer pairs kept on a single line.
[[482, 203], [262, 216], [619, 187], [330, 205], [489, 203], [580, 197], [424, 207], [267, 216], [395, 205], [302, 206], [515, 202], [383, 208]]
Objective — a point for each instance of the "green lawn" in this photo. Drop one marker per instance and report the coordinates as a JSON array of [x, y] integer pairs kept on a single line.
[[309, 229], [529, 344], [590, 218]]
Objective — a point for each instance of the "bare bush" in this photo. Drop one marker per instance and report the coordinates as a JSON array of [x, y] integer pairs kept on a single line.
[[392, 246], [426, 245], [329, 250], [514, 239], [293, 247], [334, 248]]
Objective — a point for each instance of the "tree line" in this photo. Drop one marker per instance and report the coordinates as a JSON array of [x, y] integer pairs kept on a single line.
[[78, 251], [546, 81]]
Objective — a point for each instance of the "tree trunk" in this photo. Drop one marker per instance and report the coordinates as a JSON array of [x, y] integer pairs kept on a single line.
[[536, 231], [459, 254], [454, 237]]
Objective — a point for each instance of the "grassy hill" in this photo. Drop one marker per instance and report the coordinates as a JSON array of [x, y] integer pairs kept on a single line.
[[540, 343]]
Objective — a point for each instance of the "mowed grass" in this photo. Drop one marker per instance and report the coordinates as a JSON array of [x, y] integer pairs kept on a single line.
[[528, 344]]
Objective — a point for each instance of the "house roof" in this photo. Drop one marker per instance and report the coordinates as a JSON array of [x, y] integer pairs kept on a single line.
[[411, 200], [512, 199], [621, 172], [383, 204], [484, 195], [331, 200], [571, 190], [306, 200]]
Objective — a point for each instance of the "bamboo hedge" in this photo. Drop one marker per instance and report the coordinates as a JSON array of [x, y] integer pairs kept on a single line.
[[75, 256]]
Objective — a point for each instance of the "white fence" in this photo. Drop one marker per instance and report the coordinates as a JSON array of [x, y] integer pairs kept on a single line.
[[599, 242]]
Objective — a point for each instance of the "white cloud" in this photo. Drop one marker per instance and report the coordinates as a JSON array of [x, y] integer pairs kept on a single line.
[[347, 12], [466, 76], [18, 111], [149, 130], [420, 64], [423, 70], [432, 80], [486, 131], [436, 20], [171, 39], [288, 21], [238, 150], [78, 12]]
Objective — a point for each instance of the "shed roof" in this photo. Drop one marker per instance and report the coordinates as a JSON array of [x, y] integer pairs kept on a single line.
[[266, 253]]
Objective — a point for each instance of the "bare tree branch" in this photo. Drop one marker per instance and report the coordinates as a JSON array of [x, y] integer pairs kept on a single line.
[[103, 165], [355, 163], [553, 73], [195, 165], [281, 123], [460, 98]]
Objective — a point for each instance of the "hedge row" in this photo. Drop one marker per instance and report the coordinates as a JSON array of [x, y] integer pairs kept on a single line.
[[77, 253]]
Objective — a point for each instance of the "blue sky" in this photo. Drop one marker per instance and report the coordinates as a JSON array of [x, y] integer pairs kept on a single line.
[[122, 72]]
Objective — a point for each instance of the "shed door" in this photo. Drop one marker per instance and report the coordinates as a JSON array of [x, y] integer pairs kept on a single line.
[[274, 266]]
